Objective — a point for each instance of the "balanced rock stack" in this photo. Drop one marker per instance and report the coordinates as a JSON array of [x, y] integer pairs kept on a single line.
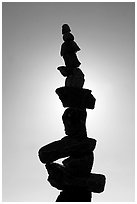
[[73, 177]]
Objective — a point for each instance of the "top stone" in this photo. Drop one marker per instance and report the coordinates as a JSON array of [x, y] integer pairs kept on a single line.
[[65, 28]]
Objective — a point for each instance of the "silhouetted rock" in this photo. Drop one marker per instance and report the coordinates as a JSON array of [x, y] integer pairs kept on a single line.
[[56, 175], [68, 37], [60, 178], [96, 183], [74, 195], [66, 147], [65, 28], [71, 60], [69, 48], [74, 175], [76, 97], [74, 121], [79, 166], [68, 52], [76, 79], [65, 71]]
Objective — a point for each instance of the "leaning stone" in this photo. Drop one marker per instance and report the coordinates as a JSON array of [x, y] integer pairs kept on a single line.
[[76, 97], [66, 147], [65, 71], [76, 79]]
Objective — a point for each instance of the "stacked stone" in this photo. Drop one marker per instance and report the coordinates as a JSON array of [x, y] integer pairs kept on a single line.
[[73, 177]]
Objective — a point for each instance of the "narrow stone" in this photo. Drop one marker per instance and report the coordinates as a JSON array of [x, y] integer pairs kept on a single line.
[[74, 121]]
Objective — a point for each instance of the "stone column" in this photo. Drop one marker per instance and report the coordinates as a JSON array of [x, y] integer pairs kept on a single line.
[[73, 177]]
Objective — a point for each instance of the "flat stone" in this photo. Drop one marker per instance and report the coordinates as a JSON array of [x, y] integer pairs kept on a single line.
[[76, 79], [66, 147], [76, 97], [62, 180]]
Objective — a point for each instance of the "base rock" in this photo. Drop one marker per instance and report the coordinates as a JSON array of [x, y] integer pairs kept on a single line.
[[74, 195]]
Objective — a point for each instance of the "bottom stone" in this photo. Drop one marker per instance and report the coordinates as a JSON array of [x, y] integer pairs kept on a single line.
[[74, 195]]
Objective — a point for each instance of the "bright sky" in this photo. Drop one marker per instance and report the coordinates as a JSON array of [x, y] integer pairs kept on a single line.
[[32, 111]]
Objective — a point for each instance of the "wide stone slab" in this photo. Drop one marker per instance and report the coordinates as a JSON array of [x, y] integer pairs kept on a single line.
[[76, 97], [61, 179], [66, 147]]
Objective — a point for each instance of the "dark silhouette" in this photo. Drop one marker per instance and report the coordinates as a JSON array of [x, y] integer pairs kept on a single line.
[[74, 121], [67, 146], [73, 177], [76, 97], [74, 195]]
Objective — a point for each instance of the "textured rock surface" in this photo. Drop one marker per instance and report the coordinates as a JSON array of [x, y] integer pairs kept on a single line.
[[76, 98], [66, 147]]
